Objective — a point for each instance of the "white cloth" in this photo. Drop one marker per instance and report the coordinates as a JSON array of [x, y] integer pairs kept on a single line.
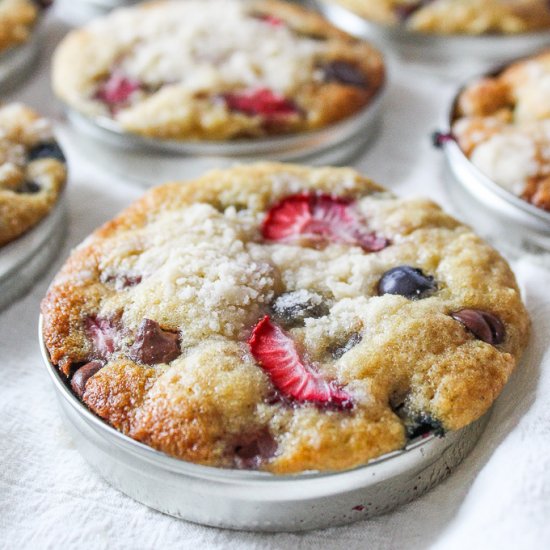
[[499, 497]]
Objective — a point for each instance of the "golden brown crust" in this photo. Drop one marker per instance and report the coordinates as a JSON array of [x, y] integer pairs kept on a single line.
[[455, 16], [171, 105], [502, 122], [30, 183], [214, 398], [17, 20]]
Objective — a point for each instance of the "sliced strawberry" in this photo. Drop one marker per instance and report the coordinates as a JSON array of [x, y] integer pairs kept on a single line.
[[295, 379], [319, 217], [117, 89], [104, 334], [261, 101], [271, 20]]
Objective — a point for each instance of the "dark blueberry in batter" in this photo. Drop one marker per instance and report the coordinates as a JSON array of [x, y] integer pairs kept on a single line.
[[407, 281], [421, 424], [47, 150], [29, 187], [293, 308], [345, 73]]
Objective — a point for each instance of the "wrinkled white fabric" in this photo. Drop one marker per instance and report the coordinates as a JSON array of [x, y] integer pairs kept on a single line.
[[499, 497]]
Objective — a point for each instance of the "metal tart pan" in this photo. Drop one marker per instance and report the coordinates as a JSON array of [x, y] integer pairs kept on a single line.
[[16, 61], [149, 160], [454, 56], [258, 501], [23, 260], [511, 223]]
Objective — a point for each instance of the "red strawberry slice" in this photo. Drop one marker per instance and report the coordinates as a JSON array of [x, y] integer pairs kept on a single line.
[[117, 89], [261, 101], [319, 217], [272, 20], [278, 357], [104, 334]]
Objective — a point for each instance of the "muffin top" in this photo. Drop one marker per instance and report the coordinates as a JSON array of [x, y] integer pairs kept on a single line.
[[17, 19], [502, 123], [455, 16], [216, 70], [284, 318], [32, 170]]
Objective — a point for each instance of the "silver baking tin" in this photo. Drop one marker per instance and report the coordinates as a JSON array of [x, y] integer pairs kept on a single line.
[[150, 161], [509, 222], [16, 61], [258, 501], [455, 56], [27, 257]]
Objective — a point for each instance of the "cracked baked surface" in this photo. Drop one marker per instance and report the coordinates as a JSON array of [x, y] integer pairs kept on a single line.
[[216, 70], [502, 123], [32, 170], [455, 16], [284, 318], [17, 20]]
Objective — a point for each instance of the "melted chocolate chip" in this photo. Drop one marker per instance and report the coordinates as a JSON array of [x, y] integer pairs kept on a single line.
[[345, 73], [254, 450], [339, 350], [406, 281], [83, 374], [293, 308], [403, 12], [46, 150], [153, 345], [482, 324]]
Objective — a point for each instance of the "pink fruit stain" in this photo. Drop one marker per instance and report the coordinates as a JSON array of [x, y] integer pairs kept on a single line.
[[117, 89], [260, 101], [358, 508]]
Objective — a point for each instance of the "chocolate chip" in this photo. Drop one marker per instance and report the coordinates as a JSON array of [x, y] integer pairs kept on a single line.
[[482, 324], [403, 12], [29, 187], [293, 308], [46, 150], [340, 349], [406, 281], [83, 374], [254, 450], [153, 345], [345, 73]]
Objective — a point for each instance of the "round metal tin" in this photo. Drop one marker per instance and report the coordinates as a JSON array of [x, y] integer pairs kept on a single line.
[[258, 501], [27, 257], [149, 160], [455, 56], [506, 220], [15, 61]]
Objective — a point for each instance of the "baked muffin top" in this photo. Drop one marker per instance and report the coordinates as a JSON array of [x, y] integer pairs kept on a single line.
[[502, 123], [216, 70], [17, 20], [284, 318], [455, 16], [32, 170]]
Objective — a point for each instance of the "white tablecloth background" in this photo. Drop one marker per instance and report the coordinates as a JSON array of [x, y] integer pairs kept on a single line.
[[499, 497]]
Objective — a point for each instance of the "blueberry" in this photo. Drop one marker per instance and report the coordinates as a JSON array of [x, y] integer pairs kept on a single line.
[[482, 324], [46, 150], [421, 424], [293, 308], [342, 348], [30, 187], [345, 73], [406, 281]]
